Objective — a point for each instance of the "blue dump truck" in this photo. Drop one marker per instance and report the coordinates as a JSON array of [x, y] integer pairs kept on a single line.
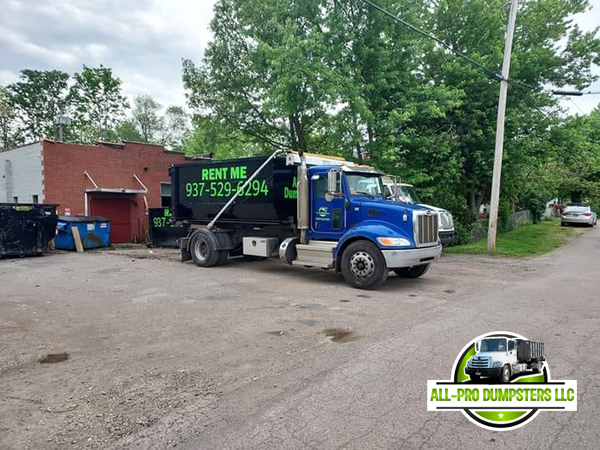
[[306, 210]]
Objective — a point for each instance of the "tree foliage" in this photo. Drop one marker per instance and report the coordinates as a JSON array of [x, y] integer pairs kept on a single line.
[[35, 102], [98, 103], [8, 114], [342, 78]]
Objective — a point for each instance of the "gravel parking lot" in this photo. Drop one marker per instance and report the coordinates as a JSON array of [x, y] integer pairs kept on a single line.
[[155, 353]]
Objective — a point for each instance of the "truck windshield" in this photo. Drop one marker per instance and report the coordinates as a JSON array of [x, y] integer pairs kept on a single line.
[[365, 185], [493, 345]]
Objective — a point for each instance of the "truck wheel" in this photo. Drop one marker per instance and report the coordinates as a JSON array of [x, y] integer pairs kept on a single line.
[[474, 377], [538, 369], [505, 375], [202, 248], [363, 265], [412, 272]]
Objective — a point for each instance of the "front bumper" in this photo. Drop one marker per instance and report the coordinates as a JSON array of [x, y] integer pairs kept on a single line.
[[396, 259], [493, 372], [447, 237]]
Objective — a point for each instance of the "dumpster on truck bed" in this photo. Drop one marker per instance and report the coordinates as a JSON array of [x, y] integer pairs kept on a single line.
[[202, 188], [26, 229]]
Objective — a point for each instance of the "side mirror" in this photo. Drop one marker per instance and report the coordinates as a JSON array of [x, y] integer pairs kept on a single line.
[[477, 346], [332, 183]]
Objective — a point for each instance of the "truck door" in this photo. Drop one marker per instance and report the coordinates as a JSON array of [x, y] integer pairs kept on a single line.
[[327, 217], [512, 352]]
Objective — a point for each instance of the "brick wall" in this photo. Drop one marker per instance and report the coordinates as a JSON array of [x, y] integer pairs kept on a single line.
[[111, 167]]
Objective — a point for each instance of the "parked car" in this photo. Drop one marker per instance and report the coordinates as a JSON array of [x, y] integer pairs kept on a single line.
[[578, 213], [406, 193]]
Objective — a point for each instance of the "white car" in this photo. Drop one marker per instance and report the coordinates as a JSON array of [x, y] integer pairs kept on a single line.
[[578, 213]]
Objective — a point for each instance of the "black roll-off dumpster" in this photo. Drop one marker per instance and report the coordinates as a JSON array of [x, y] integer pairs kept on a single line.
[[26, 229]]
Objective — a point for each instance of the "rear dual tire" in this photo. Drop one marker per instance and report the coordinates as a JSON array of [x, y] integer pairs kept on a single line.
[[203, 250]]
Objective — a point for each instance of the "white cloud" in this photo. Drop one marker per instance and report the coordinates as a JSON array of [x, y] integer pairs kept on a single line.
[[143, 41]]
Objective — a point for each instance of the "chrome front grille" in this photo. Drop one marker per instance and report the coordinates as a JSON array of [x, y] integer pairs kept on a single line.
[[426, 228], [482, 363]]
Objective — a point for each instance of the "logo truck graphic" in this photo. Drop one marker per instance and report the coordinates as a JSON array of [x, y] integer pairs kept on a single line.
[[502, 357]]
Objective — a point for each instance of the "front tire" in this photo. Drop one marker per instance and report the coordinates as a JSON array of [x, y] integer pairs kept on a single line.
[[203, 249], [505, 375], [474, 377], [412, 272], [363, 265]]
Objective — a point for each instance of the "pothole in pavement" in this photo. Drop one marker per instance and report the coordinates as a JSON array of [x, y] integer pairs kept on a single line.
[[340, 335], [53, 358]]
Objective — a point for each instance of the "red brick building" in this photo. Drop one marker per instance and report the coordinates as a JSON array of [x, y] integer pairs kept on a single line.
[[118, 181]]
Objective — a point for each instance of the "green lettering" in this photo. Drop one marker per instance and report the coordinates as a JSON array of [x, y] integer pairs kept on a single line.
[[243, 172], [434, 394], [503, 396], [235, 173], [205, 174]]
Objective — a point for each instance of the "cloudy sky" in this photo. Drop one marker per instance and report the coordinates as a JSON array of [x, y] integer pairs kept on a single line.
[[143, 41]]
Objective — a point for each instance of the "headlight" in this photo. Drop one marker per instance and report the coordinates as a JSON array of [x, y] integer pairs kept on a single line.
[[497, 364], [393, 242], [469, 363]]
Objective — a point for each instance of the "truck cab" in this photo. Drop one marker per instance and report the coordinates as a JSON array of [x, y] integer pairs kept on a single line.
[[502, 357], [357, 230]]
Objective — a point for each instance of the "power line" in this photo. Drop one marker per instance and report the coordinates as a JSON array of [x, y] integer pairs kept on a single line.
[[492, 73]]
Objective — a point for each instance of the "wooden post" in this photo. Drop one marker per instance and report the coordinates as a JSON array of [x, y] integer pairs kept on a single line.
[[77, 239]]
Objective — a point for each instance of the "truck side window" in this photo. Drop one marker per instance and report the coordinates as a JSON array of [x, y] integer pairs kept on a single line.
[[336, 219], [511, 345], [320, 187]]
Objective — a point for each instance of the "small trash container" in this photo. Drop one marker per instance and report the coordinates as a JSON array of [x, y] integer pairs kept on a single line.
[[26, 228], [163, 231], [93, 230]]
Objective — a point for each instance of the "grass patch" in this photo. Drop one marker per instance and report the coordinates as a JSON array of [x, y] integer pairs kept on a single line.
[[526, 240]]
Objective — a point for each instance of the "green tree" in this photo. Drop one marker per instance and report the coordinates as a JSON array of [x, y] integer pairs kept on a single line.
[[99, 105], [174, 128], [265, 72], [145, 117], [35, 98], [127, 131], [221, 140], [8, 132]]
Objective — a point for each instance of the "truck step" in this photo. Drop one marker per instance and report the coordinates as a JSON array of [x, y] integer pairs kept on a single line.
[[315, 254]]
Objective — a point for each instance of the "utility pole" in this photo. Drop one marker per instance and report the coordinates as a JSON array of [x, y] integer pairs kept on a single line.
[[493, 222]]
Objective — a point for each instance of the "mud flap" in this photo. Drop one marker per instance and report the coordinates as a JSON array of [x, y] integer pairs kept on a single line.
[[185, 252]]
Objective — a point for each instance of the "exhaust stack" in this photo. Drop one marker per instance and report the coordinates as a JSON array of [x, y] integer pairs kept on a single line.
[[303, 214]]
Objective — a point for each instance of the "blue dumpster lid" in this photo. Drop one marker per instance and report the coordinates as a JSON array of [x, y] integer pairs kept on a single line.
[[83, 219]]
